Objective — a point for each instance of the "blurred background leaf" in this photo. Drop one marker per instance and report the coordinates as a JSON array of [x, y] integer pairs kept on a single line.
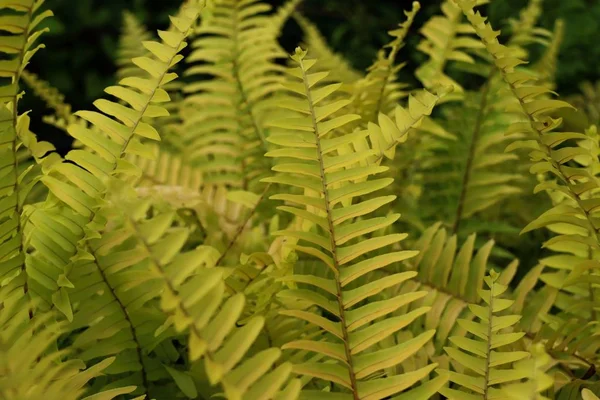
[[80, 50]]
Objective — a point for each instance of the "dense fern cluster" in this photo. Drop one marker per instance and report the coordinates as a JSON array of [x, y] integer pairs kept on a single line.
[[238, 232]]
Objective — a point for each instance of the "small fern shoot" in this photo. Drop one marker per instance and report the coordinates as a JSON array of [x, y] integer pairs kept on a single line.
[[481, 353]]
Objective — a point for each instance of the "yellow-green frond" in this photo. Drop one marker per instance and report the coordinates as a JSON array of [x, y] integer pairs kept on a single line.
[[78, 186], [20, 34], [485, 367], [332, 186], [224, 118], [379, 91], [30, 366], [447, 38]]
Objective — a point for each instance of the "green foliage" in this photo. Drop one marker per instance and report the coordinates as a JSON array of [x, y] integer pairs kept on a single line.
[[237, 232]]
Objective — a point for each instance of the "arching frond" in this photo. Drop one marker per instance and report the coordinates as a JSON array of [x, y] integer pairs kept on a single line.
[[320, 50], [30, 369], [572, 180], [323, 169], [20, 34], [78, 186], [447, 39], [379, 91], [451, 273], [192, 294], [466, 176], [481, 354]]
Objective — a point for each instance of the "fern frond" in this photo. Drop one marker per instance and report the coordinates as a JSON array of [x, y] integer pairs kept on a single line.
[[237, 48], [452, 275], [29, 368], [482, 175], [329, 60], [573, 218], [447, 38], [480, 353], [80, 183], [379, 92], [576, 214], [53, 98], [131, 39], [540, 126], [17, 46], [470, 175], [324, 169], [538, 380], [191, 295], [113, 316]]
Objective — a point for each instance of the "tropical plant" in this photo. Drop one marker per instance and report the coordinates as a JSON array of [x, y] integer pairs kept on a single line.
[[237, 232]]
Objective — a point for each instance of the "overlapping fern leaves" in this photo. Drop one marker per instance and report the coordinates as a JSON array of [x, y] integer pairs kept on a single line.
[[326, 174], [133, 269], [567, 166], [480, 351], [224, 118], [447, 38], [30, 369], [80, 183], [18, 45], [483, 175]]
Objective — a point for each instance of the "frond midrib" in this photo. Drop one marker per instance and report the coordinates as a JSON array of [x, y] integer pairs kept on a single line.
[[15, 115], [325, 191], [488, 344], [138, 345], [481, 113], [158, 268], [132, 130]]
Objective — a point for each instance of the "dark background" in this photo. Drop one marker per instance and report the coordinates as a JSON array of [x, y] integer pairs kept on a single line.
[[81, 46]]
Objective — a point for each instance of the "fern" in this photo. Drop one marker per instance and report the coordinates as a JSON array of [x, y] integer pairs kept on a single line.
[[325, 175], [79, 181], [573, 218], [538, 380], [29, 367], [160, 258], [130, 46], [230, 134], [319, 49], [18, 46], [378, 92], [191, 294], [446, 38], [488, 338]]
